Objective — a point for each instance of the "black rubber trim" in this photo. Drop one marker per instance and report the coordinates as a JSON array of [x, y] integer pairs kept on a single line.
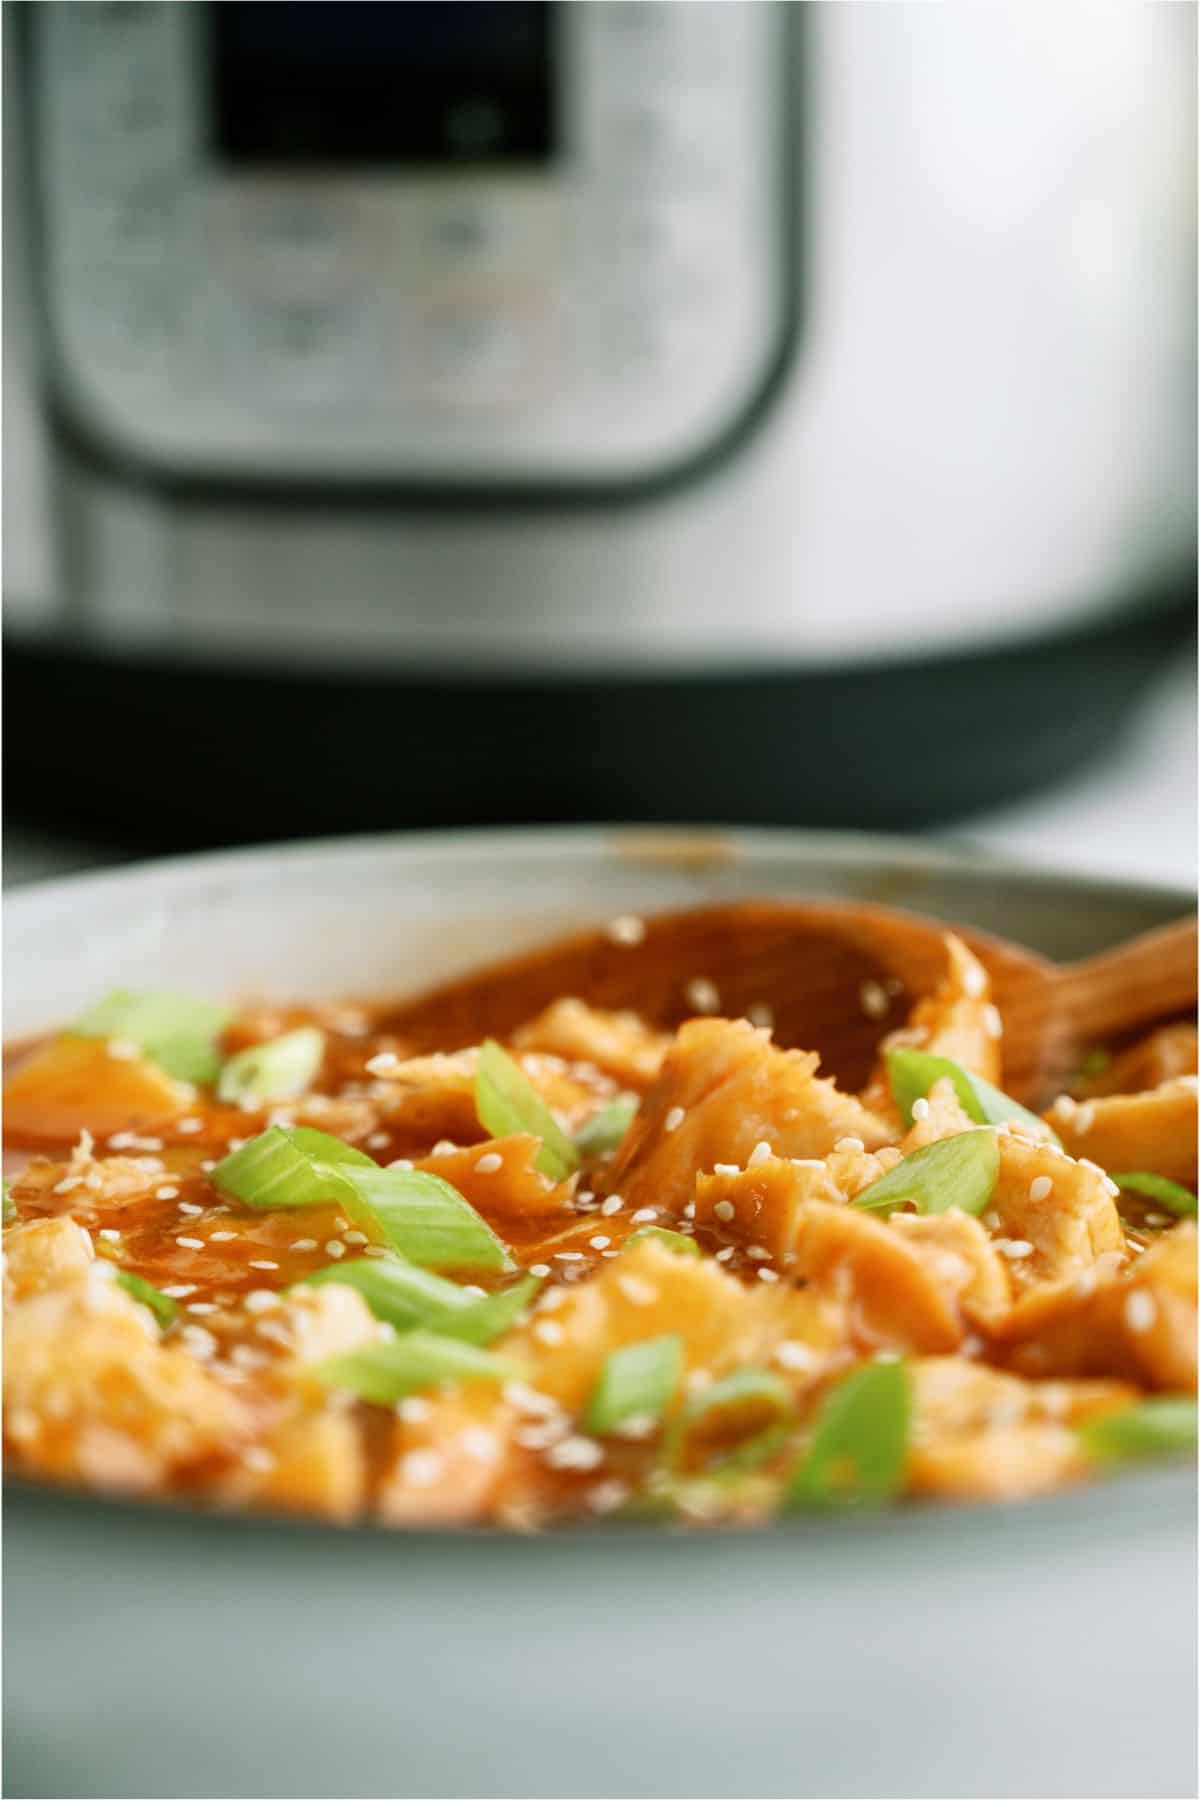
[[326, 492], [159, 756]]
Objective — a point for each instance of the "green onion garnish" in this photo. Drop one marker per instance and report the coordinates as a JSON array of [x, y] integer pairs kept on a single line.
[[1153, 1427], [912, 1073], [405, 1365], [670, 1240], [636, 1382], [956, 1171], [10, 1206], [606, 1129], [859, 1445], [424, 1218], [761, 1393], [160, 1304], [277, 1070], [507, 1102], [289, 1165], [1171, 1194], [173, 1030], [410, 1298]]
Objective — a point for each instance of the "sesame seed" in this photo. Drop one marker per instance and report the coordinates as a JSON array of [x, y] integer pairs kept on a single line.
[[974, 981], [599, 1243], [1190, 1082], [1141, 1310], [335, 1249], [168, 1193], [674, 1119], [413, 1409], [222, 1237], [607, 1496], [1064, 1107], [548, 1331], [1014, 1248], [761, 1153], [761, 1015], [190, 1243], [790, 1355], [201, 1306], [258, 1458], [702, 994], [724, 1209], [920, 1109], [873, 999], [725, 1255], [529, 1400], [260, 1300], [178, 1290], [385, 1063], [850, 1143], [539, 1268], [575, 1453], [376, 1250], [552, 1299], [1157, 1218], [768, 1275], [247, 1357], [612, 1205], [638, 1292], [626, 929], [444, 1147], [475, 1291], [568, 1255], [189, 1208], [1084, 1118], [482, 1445], [1087, 1282], [201, 1343], [757, 1253], [993, 1024], [378, 1140], [1041, 1187], [264, 1264], [638, 1425], [645, 1215], [187, 1126], [110, 1235], [354, 1237], [421, 1468], [403, 1163], [122, 1049], [487, 1165]]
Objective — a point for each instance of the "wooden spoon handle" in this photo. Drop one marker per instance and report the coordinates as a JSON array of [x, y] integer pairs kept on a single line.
[[1145, 980]]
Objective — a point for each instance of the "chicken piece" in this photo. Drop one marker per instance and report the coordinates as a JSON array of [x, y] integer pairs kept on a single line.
[[91, 1393], [763, 1204], [313, 1462], [315, 1322], [455, 1459], [73, 1084], [957, 1020], [88, 1181], [42, 1253], [897, 1291], [723, 1090], [1063, 1210], [980, 1434], [1138, 1324], [958, 1250], [516, 1189], [433, 1097], [649, 1291], [1163, 1055], [945, 1118], [619, 1043], [1123, 1132]]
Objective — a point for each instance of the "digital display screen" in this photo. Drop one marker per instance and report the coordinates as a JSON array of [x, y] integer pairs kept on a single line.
[[386, 82]]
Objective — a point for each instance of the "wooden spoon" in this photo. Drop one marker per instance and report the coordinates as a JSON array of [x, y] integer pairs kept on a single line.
[[835, 978]]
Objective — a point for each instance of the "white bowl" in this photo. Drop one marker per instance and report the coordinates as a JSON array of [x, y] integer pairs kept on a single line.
[[1038, 1649]]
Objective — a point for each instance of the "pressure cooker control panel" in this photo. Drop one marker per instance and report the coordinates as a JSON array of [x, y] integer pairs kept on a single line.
[[507, 243]]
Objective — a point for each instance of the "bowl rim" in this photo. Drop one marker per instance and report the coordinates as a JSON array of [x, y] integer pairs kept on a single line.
[[645, 845]]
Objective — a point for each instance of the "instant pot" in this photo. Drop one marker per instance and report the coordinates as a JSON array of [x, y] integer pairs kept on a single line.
[[438, 413]]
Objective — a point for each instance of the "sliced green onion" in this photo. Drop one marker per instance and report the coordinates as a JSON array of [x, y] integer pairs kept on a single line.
[[507, 1102], [670, 1240], [173, 1030], [424, 1218], [606, 1129], [760, 1393], [277, 1070], [289, 1165], [912, 1073], [406, 1364], [410, 1298], [1171, 1194], [160, 1304], [636, 1382], [10, 1206], [956, 1171], [859, 1445], [1149, 1428]]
